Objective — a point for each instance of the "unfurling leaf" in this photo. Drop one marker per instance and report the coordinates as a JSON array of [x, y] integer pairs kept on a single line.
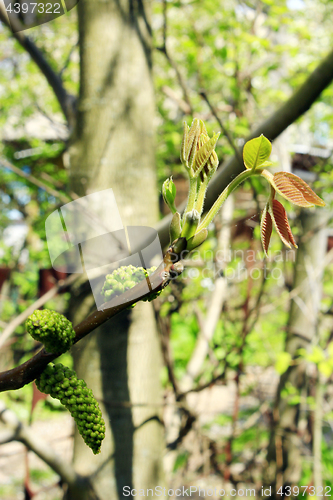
[[294, 189], [169, 194], [256, 152], [189, 143], [197, 150], [203, 156], [266, 228], [281, 223]]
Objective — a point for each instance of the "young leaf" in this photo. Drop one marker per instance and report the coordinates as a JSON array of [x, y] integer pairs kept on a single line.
[[256, 152], [193, 137], [281, 223], [294, 189], [282, 362], [169, 192], [204, 153], [266, 229]]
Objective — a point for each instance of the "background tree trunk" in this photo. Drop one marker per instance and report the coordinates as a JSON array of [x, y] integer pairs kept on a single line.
[[113, 148], [284, 465]]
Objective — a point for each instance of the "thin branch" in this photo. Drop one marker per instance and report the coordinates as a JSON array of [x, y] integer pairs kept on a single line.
[[182, 104], [20, 432], [172, 63], [287, 114], [6, 164], [68, 59], [66, 100], [224, 130]]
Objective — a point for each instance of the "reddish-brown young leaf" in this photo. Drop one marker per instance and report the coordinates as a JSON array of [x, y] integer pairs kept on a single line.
[[266, 228], [294, 189], [281, 223]]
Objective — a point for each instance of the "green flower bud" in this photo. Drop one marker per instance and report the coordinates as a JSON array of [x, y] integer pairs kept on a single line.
[[169, 194], [52, 329], [77, 406], [197, 239], [175, 227], [191, 223]]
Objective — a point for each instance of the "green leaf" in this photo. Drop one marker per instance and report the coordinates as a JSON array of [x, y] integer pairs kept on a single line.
[[256, 152], [282, 362], [203, 155], [325, 368]]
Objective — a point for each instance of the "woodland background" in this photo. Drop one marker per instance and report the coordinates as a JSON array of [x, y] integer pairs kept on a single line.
[[225, 380]]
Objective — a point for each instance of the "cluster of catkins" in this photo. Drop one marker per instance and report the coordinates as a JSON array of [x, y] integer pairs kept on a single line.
[[62, 383], [57, 334], [52, 329], [124, 278]]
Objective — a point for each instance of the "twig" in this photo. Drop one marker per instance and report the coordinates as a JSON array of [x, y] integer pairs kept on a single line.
[[20, 432], [202, 387], [224, 130], [68, 59], [172, 63], [66, 100], [6, 164], [181, 102]]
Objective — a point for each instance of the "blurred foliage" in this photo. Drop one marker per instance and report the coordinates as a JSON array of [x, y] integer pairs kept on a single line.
[[248, 57]]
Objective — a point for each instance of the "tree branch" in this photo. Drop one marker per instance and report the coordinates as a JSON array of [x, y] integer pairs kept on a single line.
[[287, 114], [63, 198], [32, 369], [67, 101]]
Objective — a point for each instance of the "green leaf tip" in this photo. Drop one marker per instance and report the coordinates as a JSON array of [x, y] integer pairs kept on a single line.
[[51, 329], [169, 194], [256, 152], [62, 383]]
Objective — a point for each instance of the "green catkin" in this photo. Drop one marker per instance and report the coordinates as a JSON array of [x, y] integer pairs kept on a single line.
[[124, 278], [62, 383], [52, 329]]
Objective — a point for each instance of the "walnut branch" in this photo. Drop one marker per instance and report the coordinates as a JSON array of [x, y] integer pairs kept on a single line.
[[287, 114], [27, 372]]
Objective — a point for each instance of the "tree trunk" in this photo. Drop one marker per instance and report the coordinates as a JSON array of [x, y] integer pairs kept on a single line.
[[113, 148], [284, 459]]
